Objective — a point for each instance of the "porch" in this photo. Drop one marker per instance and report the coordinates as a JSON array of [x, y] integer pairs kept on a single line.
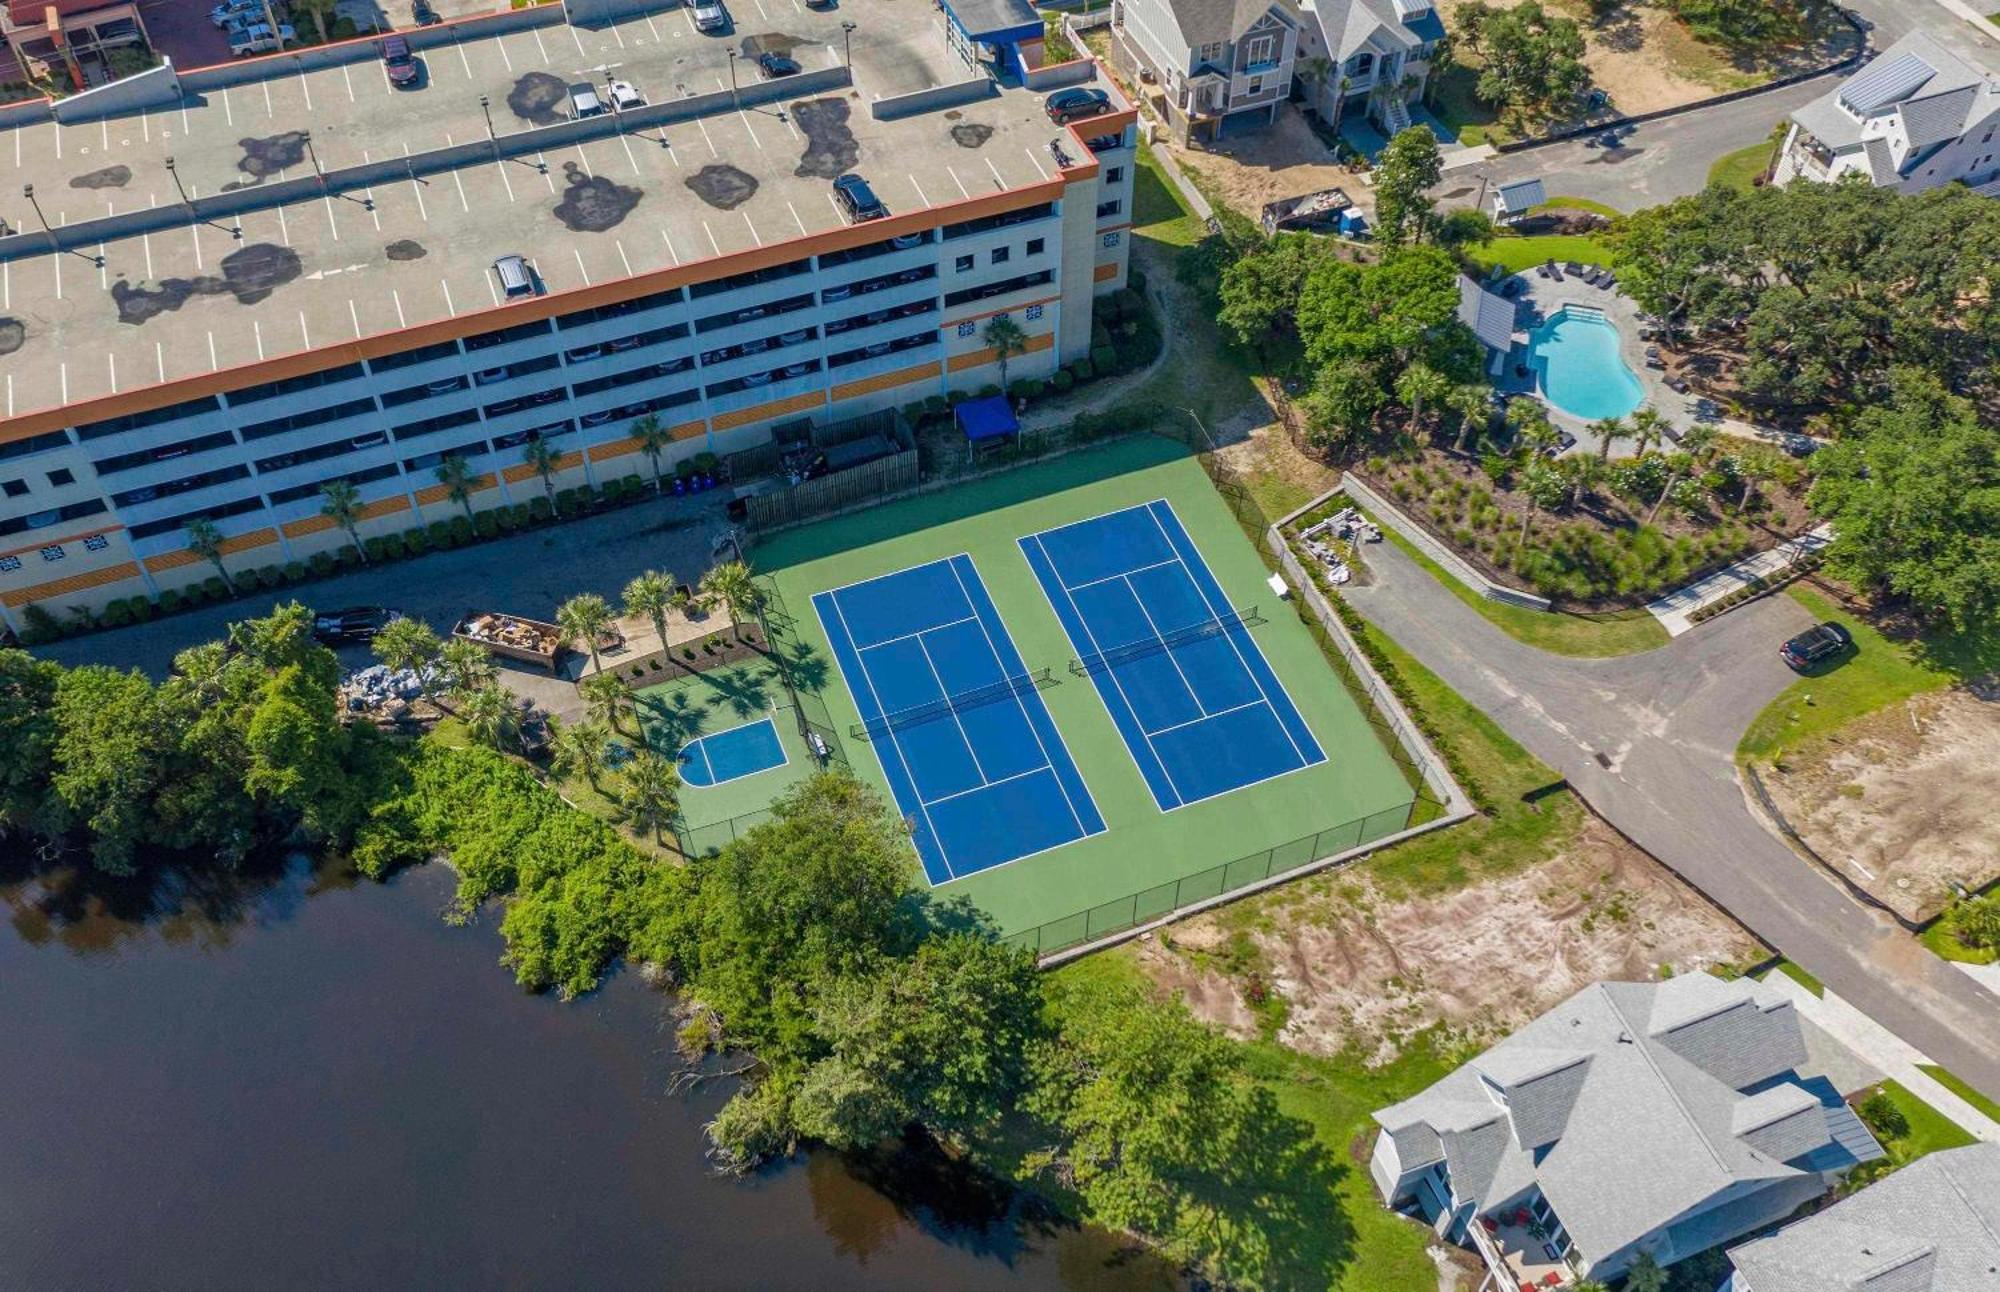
[[1523, 1249]]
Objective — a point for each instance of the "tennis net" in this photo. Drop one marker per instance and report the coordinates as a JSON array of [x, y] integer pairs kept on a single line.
[[1091, 664], [1005, 689]]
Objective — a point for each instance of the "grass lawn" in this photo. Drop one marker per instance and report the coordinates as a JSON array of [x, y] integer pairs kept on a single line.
[[1738, 169], [1556, 633], [1944, 944], [1517, 254], [1157, 210], [1801, 977], [1877, 673], [1578, 204], [1453, 100], [1950, 1081], [1361, 1245], [1929, 1130]]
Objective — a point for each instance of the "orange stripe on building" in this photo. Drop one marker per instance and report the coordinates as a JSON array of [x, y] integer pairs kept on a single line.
[[615, 449], [386, 507], [74, 583], [246, 542], [776, 408], [1105, 273], [438, 493], [980, 358], [310, 525], [688, 430], [886, 381]]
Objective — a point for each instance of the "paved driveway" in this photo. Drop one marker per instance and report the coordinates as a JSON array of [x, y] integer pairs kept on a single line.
[[1649, 742]]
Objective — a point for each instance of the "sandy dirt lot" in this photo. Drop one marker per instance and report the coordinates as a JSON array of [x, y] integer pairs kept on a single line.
[[1903, 799], [1646, 60], [1259, 166], [1359, 968]]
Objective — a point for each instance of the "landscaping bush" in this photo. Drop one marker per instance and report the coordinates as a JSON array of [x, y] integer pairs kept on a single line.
[[1103, 358], [1135, 282], [1883, 1117], [461, 531], [140, 607], [376, 547], [1100, 334], [1027, 388], [538, 509], [416, 542], [1062, 380], [566, 501], [213, 588], [345, 558], [988, 390], [438, 534], [295, 572], [489, 523], [524, 515], [322, 564], [270, 577], [116, 615]]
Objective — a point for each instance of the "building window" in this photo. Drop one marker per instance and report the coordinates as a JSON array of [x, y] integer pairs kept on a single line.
[[14, 488], [1256, 85], [1260, 52], [963, 264], [53, 552], [967, 329], [1001, 255], [1034, 312], [1107, 209], [62, 476], [1115, 175], [1113, 239], [96, 543], [1035, 246]]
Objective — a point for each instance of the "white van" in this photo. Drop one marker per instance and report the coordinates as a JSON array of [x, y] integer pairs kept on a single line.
[[516, 278], [258, 38]]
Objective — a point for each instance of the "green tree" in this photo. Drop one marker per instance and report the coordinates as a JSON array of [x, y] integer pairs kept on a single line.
[[654, 440], [1645, 1275], [1418, 384], [28, 733], [1006, 339], [1914, 496], [1259, 291], [465, 667], [1541, 485], [1976, 922], [340, 502], [578, 749], [205, 541], [110, 752], [1608, 430], [1532, 60], [1404, 174], [1464, 227], [1473, 403], [1697, 445], [650, 596], [411, 644], [459, 480], [731, 586], [650, 792], [607, 699], [544, 459], [1341, 406], [1649, 429], [298, 751], [584, 618], [489, 714]]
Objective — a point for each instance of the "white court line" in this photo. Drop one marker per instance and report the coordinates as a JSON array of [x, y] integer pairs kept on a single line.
[[1220, 713], [959, 794], [1168, 650], [1091, 583], [903, 637]]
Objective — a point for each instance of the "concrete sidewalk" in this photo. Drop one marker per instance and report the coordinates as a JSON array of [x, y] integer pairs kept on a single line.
[[1880, 1049], [1674, 609]]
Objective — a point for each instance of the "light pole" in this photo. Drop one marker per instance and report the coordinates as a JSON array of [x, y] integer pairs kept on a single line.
[[28, 191], [732, 78], [846, 43], [186, 201], [1196, 419], [486, 108], [306, 136]]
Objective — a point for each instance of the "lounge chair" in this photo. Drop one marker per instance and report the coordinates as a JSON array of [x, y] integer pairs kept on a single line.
[[1542, 270], [1512, 289], [1610, 280], [1574, 269], [1598, 277], [1676, 385], [1555, 271]]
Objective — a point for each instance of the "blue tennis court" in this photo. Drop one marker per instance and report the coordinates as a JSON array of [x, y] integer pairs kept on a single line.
[[732, 754], [1187, 687], [965, 742]]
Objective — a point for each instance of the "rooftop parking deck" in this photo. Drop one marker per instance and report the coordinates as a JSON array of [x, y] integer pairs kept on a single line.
[[733, 174]]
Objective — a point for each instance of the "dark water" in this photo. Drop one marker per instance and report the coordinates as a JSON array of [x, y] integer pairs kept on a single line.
[[301, 1082]]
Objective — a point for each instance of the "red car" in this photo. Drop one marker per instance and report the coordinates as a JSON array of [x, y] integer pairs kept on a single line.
[[399, 62]]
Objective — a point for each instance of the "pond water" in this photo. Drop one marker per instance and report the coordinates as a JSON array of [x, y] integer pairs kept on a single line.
[[1577, 361], [295, 1080]]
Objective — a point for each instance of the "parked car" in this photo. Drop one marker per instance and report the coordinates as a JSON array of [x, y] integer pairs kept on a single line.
[[773, 66], [625, 96], [398, 62], [709, 15], [423, 13], [583, 101], [353, 624], [1075, 104], [1815, 646], [859, 200], [258, 38], [517, 278], [229, 14]]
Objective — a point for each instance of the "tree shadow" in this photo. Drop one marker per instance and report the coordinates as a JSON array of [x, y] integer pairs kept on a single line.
[[1272, 1188], [669, 720]]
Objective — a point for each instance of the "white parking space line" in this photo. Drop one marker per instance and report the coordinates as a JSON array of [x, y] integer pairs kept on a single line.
[[578, 253], [581, 52], [491, 290], [752, 227], [713, 244], [747, 130], [545, 171], [354, 317], [705, 139], [284, 229], [670, 247], [622, 257], [627, 146], [956, 180], [160, 359], [544, 49], [349, 81], [921, 196], [401, 322], [257, 334], [1036, 162], [650, 27], [795, 218], [996, 173], [839, 216], [304, 335], [305, 87], [111, 362], [501, 166], [228, 115], [416, 186], [146, 244], [617, 36], [447, 297], [330, 221], [501, 45], [463, 61]]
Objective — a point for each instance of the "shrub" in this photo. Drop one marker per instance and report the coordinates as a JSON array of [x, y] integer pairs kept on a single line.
[[1104, 358], [270, 577], [438, 532], [170, 601], [1027, 388], [462, 530], [393, 547], [141, 608], [1062, 380], [505, 518], [538, 509], [1135, 282], [489, 523], [295, 572], [116, 615], [1100, 335], [1883, 1117], [321, 563], [988, 391], [935, 404], [345, 557], [214, 588], [566, 501], [915, 413], [525, 515], [376, 547], [416, 541]]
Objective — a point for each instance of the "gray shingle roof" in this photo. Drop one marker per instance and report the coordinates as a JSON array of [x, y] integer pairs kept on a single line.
[[1933, 1226], [1686, 1093], [1938, 117], [1212, 22], [1490, 317], [1881, 162], [1350, 26]]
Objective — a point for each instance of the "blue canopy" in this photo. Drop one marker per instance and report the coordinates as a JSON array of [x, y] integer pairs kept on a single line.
[[988, 418]]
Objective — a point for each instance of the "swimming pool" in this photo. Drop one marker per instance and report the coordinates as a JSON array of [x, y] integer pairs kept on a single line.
[[1577, 363]]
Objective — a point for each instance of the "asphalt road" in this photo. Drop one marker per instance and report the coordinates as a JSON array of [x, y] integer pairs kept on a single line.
[[1649, 741]]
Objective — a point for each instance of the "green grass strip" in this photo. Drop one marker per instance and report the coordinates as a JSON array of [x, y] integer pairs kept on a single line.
[[1950, 1081]]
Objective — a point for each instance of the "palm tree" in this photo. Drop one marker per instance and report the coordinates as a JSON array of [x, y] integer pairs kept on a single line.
[[584, 618], [1540, 486], [1007, 339], [1473, 403], [1649, 429], [653, 440], [1417, 383], [579, 749], [458, 479], [543, 458], [1340, 102], [1608, 430], [1753, 468], [1696, 447], [1583, 471], [729, 584], [465, 667], [650, 596], [490, 715], [607, 699], [651, 792], [411, 644], [205, 541], [340, 502]]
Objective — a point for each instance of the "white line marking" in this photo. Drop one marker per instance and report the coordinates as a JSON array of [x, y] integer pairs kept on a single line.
[[752, 228], [1036, 162], [996, 173], [578, 253], [354, 317], [963, 190], [284, 230], [622, 257], [1112, 578], [303, 333], [214, 364], [543, 49], [921, 197], [705, 139], [349, 82], [228, 115], [257, 332], [795, 218], [401, 322], [160, 360], [903, 637], [111, 363], [501, 166], [463, 61], [447, 297]]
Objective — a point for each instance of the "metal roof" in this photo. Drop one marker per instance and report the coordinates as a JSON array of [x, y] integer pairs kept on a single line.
[[1490, 317], [1522, 194], [1888, 80]]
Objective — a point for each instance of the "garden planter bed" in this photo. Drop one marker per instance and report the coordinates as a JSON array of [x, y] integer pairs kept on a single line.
[[684, 658]]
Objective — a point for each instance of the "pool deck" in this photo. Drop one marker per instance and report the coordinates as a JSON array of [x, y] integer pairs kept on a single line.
[[1542, 297]]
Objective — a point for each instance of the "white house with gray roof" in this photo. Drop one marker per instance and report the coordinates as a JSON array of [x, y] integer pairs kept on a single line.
[[1933, 1226], [1665, 1117], [1210, 65], [1916, 117], [1366, 56]]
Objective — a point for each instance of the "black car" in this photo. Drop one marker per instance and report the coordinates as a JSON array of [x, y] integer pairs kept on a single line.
[[858, 199], [354, 624], [1815, 646], [774, 66], [1065, 106]]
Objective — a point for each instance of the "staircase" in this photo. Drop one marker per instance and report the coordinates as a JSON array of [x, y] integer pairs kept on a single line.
[[1395, 115]]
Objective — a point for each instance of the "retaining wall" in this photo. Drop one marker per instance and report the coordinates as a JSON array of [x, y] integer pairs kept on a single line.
[[1420, 538], [156, 87], [938, 96]]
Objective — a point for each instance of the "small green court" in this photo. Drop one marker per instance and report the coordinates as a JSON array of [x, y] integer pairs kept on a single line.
[[737, 739], [1167, 809]]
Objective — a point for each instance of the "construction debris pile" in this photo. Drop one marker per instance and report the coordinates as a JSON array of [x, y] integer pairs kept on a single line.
[[1345, 527], [527, 635], [388, 695]]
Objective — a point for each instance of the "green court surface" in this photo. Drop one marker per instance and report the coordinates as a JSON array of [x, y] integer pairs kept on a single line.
[[1146, 862], [676, 712]]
